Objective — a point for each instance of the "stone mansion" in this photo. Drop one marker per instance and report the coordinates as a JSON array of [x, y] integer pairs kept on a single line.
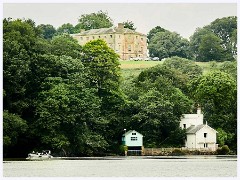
[[125, 42]]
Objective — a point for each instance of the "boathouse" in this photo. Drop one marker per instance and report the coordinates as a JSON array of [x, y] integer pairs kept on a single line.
[[134, 141]]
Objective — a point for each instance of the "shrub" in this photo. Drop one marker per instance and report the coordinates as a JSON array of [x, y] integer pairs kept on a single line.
[[177, 152], [122, 149], [223, 150]]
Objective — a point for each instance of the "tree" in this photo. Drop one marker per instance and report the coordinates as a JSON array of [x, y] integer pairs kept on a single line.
[[66, 29], [210, 48], [223, 34], [65, 45], [217, 94], [156, 106], [129, 25], [94, 21], [167, 44], [225, 28], [154, 31], [48, 31], [185, 66]]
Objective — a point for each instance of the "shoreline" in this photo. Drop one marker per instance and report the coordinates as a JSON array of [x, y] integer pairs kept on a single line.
[[134, 157]]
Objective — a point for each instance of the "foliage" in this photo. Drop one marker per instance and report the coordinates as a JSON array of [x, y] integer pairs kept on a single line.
[[65, 45], [65, 29], [229, 67], [129, 25], [156, 106], [217, 41], [224, 150], [217, 94], [167, 44], [47, 30], [122, 149], [94, 21], [210, 48], [153, 31], [183, 65], [13, 127]]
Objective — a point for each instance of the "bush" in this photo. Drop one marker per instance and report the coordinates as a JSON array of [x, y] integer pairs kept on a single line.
[[177, 152], [122, 149], [224, 150]]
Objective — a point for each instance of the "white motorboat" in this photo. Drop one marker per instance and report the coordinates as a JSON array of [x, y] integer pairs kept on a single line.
[[44, 155]]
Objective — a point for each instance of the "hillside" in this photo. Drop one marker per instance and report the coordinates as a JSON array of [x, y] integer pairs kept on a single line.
[[133, 68]]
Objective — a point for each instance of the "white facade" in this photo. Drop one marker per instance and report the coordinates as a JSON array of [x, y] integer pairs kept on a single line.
[[199, 135], [132, 138], [188, 120]]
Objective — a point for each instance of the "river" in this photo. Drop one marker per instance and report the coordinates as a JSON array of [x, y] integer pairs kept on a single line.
[[200, 166]]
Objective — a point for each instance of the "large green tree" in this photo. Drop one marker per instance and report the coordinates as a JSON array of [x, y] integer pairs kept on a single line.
[[219, 38], [216, 92], [154, 31], [94, 21], [167, 44], [66, 29], [156, 106], [47, 30]]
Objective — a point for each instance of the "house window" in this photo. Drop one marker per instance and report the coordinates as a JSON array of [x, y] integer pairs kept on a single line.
[[93, 37], [87, 38], [136, 37], [205, 135], [205, 145], [99, 36], [184, 126], [133, 133], [111, 36], [133, 138]]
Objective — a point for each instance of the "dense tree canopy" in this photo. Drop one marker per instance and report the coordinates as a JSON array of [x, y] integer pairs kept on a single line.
[[71, 99], [217, 41], [94, 21], [47, 30], [167, 44]]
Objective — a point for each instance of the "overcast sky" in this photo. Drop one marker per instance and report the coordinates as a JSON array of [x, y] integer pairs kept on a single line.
[[182, 18]]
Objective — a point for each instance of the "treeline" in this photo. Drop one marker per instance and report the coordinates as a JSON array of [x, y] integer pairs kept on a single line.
[[58, 95], [214, 42]]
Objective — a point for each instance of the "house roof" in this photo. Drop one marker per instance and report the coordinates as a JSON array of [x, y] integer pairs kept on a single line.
[[130, 131], [110, 30], [193, 129]]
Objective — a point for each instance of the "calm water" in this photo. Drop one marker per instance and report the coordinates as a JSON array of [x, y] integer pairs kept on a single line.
[[124, 167]]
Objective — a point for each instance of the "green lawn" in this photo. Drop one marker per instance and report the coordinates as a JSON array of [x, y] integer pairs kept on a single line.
[[133, 68]]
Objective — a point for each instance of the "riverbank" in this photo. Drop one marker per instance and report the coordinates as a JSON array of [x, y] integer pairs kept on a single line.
[[136, 157]]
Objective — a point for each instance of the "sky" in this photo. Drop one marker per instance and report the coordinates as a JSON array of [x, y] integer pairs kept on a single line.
[[182, 18]]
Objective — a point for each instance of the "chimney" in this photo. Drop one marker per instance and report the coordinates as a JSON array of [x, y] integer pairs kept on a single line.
[[199, 110], [120, 25]]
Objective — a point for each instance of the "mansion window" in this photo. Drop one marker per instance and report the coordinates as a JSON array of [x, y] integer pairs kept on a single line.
[[111, 36], [184, 126], [129, 47], [93, 37], [87, 38], [205, 135], [133, 133], [205, 145]]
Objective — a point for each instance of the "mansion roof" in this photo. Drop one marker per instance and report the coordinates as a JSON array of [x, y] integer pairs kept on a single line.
[[111, 30]]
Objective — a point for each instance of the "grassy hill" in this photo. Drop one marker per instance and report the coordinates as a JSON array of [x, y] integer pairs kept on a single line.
[[133, 68]]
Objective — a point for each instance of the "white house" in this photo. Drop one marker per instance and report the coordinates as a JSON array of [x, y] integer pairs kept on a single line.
[[199, 135], [132, 138]]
